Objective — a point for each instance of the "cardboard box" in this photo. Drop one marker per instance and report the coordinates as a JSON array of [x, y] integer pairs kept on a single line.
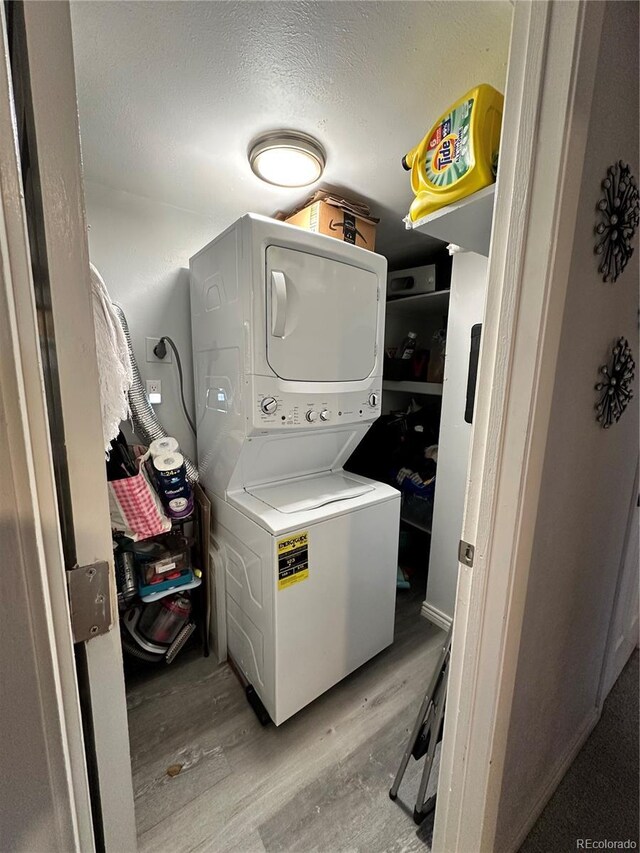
[[329, 217]]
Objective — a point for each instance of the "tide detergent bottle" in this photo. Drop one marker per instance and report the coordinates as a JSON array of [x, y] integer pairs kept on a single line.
[[459, 155]]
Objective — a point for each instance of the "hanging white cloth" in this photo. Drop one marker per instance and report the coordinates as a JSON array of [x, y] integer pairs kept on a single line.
[[114, 366]]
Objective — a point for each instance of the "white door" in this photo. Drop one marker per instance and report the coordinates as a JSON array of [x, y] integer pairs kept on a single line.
[[87, 759], [44, 792], [549, 491], [322, 317], [466, 308]]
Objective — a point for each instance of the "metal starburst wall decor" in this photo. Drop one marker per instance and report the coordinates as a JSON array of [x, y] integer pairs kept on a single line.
[[615, 384], [620, 213]]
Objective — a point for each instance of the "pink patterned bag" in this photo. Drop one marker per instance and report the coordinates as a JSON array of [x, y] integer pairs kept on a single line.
[[134, 505]]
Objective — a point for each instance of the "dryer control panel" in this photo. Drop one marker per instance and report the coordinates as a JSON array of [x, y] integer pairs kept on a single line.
[[273, 409]]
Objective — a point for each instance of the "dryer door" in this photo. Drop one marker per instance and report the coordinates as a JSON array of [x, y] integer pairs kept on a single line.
[[321, 317]]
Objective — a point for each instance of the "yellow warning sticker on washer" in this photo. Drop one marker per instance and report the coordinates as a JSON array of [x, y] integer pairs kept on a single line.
[[293, 559]]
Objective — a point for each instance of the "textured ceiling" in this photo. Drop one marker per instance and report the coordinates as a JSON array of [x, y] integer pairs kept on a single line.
[[172, 93]]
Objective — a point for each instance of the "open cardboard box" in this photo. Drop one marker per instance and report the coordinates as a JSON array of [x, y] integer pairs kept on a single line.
[[336, 217]]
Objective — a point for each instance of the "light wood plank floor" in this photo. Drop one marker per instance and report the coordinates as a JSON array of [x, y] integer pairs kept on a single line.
[[317, 783]]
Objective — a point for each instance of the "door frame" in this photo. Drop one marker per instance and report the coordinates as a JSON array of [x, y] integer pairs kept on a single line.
[[100, 775], [551, 73], [38, 621]]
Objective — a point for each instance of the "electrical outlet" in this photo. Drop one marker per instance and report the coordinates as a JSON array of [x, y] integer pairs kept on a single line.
[[151, 357], [154, 391]]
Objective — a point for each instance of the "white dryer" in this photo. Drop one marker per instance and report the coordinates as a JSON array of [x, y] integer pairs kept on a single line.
[[288, 330]]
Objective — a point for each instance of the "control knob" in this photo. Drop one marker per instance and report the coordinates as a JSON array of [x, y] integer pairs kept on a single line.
[[269, 405], [373, 399], [325, 415], [311, 416]]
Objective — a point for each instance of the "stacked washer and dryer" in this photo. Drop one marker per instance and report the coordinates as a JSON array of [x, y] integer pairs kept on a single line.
[[288, 330]]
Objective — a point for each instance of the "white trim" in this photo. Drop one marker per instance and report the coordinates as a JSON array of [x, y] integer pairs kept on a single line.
[[428, 611], [41, 775], [53, 91], [552, 67], [44, 581]]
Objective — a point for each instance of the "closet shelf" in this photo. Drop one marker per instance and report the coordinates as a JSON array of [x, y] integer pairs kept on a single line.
[[433, 389], [422, 527], [420, 303], [156, 596], [466, 223]]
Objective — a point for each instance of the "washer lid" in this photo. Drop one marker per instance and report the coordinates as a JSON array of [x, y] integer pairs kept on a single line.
[[310, 492]]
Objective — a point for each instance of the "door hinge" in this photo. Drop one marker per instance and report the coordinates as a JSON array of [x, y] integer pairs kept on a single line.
[[90, 600], [466, 553]]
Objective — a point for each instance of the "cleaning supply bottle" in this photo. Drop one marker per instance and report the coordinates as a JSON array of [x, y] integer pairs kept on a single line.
[[408, 346], [459, 155]]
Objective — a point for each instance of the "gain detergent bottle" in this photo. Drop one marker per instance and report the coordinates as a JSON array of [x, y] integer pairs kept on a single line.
[[459, 155]]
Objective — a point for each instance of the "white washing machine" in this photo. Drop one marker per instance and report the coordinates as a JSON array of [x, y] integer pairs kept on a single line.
[[288, 330]]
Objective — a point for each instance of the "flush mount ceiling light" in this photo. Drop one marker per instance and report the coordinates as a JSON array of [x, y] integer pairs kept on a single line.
[[287, 159]]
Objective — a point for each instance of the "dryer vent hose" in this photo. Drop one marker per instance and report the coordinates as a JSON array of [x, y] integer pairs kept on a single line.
[[145, 423]]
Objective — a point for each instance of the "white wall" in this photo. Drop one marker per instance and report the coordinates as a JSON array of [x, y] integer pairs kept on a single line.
[[142, 250], [466, 308], [171, 95], [587, 488]]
